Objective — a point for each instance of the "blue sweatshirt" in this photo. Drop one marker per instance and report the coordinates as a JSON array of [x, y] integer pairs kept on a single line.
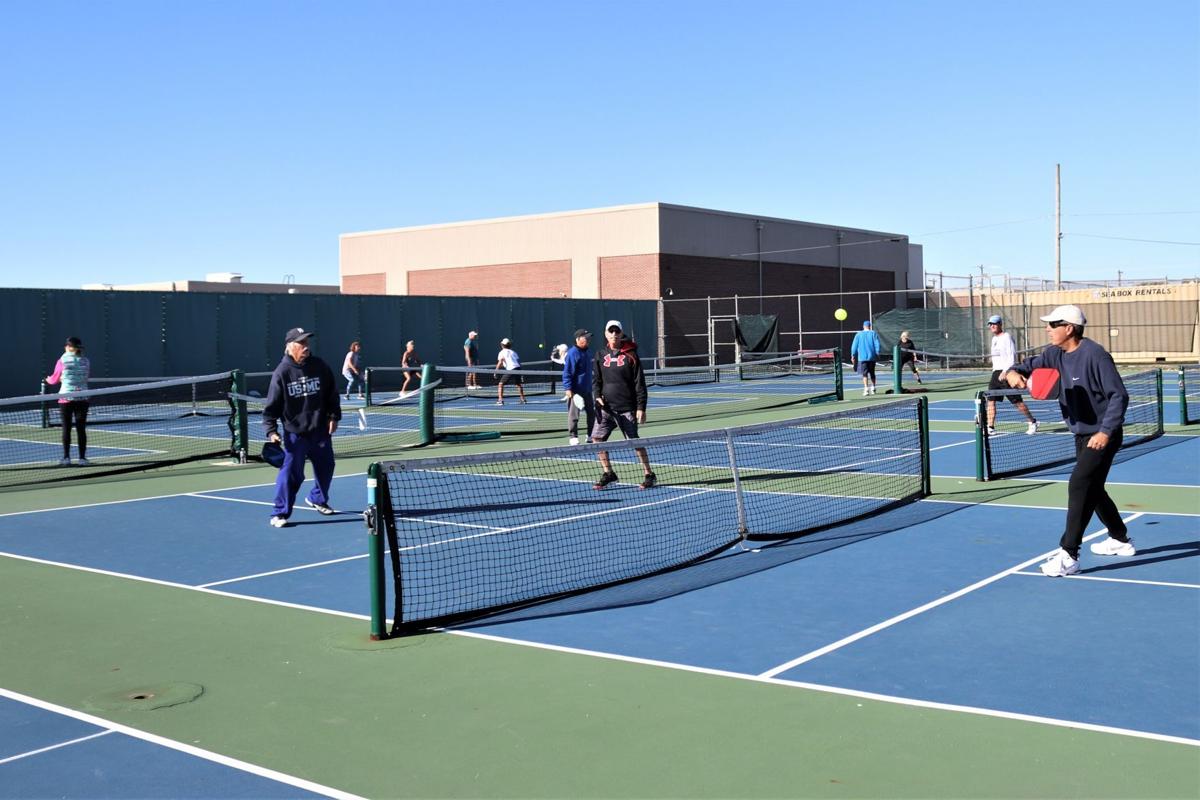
[[302, 395], [577, 371], [1093, 398], [865, 346]]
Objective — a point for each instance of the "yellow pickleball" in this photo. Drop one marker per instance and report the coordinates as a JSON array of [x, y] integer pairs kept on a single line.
[[840, 315]]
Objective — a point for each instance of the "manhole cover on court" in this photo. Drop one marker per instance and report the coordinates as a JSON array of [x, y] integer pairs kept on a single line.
[[146, 698]]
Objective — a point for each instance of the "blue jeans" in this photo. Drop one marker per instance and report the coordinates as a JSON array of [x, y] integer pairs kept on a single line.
[[316, 447]]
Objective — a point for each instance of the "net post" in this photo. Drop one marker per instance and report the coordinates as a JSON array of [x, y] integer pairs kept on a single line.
[[743, 528], [980, 475], [425, 407], [1158, 391], [897, 384], [923, 423], [375, 553], [45, 389], [241, 435], [838, 378], [1183, 409]]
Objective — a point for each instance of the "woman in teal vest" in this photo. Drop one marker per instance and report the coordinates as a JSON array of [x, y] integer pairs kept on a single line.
[[73, 370]]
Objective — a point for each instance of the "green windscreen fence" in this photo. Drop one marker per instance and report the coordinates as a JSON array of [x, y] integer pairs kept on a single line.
[[168, 334]]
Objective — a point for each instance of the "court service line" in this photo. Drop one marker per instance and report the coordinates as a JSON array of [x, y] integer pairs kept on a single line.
[[48, 748], [887, 623], [838, 690], [284, 570], [994, 505], [1119, 580], [192, 750]]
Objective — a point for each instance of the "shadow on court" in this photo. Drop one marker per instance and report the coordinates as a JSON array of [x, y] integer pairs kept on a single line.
[[741, 560]]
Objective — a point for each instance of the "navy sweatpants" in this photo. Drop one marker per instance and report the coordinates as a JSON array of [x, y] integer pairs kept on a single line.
[[316, 447]]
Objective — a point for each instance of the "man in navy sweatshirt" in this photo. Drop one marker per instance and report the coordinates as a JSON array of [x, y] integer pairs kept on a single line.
[[1093, 400], [302, 394]]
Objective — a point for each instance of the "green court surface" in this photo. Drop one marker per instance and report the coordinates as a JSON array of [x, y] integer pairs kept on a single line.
[[305, 692]]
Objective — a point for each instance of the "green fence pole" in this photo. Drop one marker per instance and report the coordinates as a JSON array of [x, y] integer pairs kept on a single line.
[[897, 381], [425, 407], [375, 548], [367, 387], [45, 389], [1158, 385]]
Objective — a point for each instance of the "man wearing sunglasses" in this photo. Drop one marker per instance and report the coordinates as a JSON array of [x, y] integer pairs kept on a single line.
[[1093, 400], [619, 390]]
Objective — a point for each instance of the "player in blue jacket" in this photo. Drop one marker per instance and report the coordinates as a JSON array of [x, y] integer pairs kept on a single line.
[[864, 352], [577, 380], [303, 396]]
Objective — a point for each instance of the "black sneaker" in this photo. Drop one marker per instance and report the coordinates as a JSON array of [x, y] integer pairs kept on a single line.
[[649, 481], [321, 507], [605, 480]]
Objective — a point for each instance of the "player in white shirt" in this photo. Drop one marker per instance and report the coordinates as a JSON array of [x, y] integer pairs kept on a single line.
[[1004, 355], [508, 360]]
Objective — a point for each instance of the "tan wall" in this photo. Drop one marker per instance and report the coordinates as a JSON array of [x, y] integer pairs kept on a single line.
[[537, 279], [371, 283], [579, 238]]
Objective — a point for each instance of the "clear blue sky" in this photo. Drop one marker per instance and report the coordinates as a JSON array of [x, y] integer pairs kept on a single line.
[[162, 140]]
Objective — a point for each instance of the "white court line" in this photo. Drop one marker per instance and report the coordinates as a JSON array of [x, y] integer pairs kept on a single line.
[[244, 766], [1119, 580], [887, 623], [893, 700], [298, 568], [48, 748], [253, 502], [1035, 479]]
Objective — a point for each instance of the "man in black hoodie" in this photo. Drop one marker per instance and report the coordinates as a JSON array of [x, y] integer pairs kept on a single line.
[[303, 395], [619, 391]]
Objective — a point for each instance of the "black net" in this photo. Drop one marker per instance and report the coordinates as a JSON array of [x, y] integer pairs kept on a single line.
[[470, 535], [694, 393], [1014, 447], [125, 428], [928, 372]]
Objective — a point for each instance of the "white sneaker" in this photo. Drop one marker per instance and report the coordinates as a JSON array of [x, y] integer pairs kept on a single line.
[[866, 391], [574, 440], [991, 431], [1031, 428], [872, 388], [83, 462], [1114, 547], [64, 462], [1060, 565], [321, 507], [278, 522]]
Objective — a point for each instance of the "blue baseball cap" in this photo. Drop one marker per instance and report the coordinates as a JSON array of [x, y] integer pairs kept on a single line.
[[995, 319], [866, 323]]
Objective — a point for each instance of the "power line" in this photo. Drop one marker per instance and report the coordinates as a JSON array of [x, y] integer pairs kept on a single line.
[[1128, 239]]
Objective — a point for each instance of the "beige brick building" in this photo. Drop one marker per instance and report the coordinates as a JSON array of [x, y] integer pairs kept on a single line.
[[643, 252]]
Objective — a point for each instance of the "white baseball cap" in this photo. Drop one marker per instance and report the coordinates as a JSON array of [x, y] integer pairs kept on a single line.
[[612, 323], [1071, 314], [506, 342]]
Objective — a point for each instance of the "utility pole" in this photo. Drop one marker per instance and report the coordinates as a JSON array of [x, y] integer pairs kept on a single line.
[[758, 227], [1058, 226]]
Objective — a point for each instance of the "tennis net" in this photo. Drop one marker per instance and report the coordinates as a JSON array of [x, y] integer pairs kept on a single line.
[[128, 428], [473, 534], [382, 429], [943, 372], [1189, 394], [1011, 450], [675, 393]]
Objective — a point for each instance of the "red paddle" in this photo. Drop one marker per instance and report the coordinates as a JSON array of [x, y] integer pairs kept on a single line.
[[1043, 384]]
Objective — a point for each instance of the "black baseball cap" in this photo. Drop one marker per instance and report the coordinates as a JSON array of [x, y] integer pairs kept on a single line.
[[582, 332], [74, 341], [297, 335]]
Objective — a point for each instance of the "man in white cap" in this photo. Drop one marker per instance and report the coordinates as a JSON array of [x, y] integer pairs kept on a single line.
[[1004, 355], [1093, 400], [471, 352]]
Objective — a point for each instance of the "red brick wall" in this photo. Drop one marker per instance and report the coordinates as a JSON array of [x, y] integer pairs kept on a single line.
[[629, 277], [531, 279], [374, 283]]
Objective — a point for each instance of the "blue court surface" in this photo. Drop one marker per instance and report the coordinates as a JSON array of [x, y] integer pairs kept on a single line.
[[936, 601]]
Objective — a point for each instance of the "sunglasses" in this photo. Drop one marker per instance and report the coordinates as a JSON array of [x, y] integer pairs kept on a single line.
[[1058, 323], [614, 329]]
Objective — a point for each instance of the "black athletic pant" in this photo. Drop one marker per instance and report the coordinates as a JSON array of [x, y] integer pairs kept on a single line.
[[74, 413], [1086, 494]]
